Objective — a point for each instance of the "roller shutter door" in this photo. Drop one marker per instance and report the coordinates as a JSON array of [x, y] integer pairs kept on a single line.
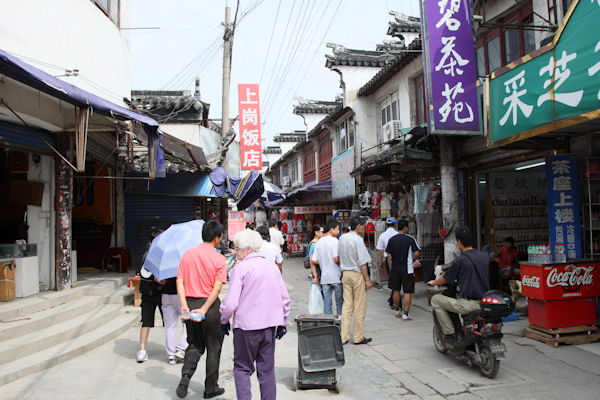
[[145, 212]]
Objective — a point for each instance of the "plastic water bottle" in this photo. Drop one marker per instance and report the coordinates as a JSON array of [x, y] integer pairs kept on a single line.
[[560, 253], [194, 316]]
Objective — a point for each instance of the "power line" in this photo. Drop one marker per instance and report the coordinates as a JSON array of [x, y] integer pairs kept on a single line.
[[270, 40]]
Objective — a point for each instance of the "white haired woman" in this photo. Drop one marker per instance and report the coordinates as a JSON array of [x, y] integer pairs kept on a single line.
[[260, 302]]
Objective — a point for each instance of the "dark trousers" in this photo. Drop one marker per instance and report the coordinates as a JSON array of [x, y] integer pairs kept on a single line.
[[250, 347], [204, 335]]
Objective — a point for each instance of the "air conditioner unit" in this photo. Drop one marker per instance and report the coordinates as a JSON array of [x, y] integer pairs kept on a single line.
[[286, 181], [391, 130]]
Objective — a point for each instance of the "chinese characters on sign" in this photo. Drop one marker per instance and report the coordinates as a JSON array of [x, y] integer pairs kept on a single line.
[[503, 183], [250, 144], [313, 209], [563, 203], [235, 223], [557, 85], [342, 184], [450, 63]]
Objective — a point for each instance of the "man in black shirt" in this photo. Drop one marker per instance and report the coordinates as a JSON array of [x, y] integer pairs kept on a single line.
[[470, 272], [402, 251]]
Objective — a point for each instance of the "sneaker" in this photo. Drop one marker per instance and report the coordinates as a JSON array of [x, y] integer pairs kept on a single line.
[[406, 317], [179, 355], [172, 360], [397, 313], [142, 356]]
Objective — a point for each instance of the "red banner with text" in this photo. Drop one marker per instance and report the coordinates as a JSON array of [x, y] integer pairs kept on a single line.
[[250, 143]]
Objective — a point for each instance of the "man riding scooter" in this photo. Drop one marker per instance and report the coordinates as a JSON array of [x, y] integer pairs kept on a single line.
[[470, 272]]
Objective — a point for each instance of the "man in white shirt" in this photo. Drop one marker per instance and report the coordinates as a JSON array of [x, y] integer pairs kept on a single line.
[[326, 256], [382, 243], [276, 235], [268, 249], [354, 257]]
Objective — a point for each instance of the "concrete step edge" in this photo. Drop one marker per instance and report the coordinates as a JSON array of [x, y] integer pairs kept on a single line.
[[22, 308], [39, 340], [51, 316], [60, 353]]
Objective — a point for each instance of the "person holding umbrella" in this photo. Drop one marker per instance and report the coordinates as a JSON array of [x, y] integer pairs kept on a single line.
[[260, 304], [202, 273]]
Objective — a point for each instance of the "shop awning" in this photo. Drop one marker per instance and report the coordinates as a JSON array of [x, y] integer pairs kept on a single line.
[[181, 184], [184, 151], [244, 190], [34, 78], [420, 129], [321, 186], [16, 136]]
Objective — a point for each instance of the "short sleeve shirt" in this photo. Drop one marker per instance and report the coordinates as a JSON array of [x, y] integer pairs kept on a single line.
[[508, 257], [325, 251], [352, 252], [199, 268], [402, 247], [276, 237], [462, 271], [384, 238], [271, 252]]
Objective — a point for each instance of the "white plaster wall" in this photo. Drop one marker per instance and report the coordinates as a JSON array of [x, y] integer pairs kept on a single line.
[[197, 135], [41, 219], [354, 78], [286, 146], [312, 120], [71, 34]]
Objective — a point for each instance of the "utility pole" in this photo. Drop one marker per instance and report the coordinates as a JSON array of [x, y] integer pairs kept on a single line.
[[226, 76]]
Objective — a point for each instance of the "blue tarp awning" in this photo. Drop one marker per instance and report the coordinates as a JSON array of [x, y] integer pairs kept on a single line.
[[181, 184], [244, 190], [35, 78], [10, 134]]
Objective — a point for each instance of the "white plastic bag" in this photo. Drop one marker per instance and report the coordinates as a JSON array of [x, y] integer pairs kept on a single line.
[[315, 300]]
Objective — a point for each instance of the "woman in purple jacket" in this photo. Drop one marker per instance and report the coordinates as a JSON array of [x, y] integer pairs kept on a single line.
[[260, 304]]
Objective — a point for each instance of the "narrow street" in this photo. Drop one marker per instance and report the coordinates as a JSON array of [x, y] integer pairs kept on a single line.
[[401, 362]]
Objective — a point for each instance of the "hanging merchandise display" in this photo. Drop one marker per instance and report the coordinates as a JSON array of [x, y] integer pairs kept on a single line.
[[376, 205], [386, 205]]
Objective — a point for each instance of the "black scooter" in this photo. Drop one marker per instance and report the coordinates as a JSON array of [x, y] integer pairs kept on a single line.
[[479, 337]]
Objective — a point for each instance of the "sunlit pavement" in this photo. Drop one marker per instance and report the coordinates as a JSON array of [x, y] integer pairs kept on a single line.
[[400, 362]]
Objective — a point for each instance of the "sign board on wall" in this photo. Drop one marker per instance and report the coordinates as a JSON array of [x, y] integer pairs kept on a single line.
[[450, 67], [517, 183], [250, 141], [557, 88], [342, 184], [235, 223], [563, 203], [313, 209]]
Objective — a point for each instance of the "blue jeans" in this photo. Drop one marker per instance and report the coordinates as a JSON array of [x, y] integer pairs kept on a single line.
[[339, 299]]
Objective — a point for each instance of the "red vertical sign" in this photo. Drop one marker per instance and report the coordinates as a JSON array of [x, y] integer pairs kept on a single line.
[[250, 144]]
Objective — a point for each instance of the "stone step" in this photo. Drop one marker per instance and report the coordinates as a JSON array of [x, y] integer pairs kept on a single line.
[[22, 308], [38, 340], [67, 350], [48, 317]]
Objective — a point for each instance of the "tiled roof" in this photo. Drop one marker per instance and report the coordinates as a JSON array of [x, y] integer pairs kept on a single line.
[[388, 71], [404, 24], [272, 150], [296, 136], [358, 58], [317, 107], [330, 118], [169, 105]]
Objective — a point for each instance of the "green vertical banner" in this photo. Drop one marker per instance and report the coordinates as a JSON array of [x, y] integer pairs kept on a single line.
[[556, 89]]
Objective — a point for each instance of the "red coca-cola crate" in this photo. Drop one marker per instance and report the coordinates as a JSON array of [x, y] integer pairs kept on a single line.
[[561, 281], [562, 313]]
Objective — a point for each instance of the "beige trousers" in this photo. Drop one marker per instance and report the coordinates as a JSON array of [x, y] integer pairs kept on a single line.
[[443, 304], [355, 303]]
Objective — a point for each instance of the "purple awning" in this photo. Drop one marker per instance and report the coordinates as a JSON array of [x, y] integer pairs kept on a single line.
[[31, 76]]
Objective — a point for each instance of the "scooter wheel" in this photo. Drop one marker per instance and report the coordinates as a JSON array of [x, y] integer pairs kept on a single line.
[[489, 365], [438, 341]]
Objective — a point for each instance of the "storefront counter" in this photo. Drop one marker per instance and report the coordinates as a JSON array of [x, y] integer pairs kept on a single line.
[[27, 278], [561, 294]]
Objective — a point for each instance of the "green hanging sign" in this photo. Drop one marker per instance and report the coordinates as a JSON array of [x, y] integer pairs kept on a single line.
[[554, 87]]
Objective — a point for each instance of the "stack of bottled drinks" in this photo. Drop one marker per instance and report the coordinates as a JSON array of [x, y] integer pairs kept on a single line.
[[542, 253]]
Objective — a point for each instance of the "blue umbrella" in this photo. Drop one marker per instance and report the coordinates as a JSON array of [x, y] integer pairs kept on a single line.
[[167, 248]]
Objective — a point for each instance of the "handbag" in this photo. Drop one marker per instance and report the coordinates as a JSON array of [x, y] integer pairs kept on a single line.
[[307, 259]]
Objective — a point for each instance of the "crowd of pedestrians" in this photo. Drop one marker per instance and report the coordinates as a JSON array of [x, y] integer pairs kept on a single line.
[[257, 298]]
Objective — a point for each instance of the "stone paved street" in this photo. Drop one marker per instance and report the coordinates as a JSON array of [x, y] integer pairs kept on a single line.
[[401, 362]]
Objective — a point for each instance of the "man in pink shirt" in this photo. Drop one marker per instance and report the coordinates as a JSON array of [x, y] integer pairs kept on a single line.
[[202, 273], [261, 304]]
